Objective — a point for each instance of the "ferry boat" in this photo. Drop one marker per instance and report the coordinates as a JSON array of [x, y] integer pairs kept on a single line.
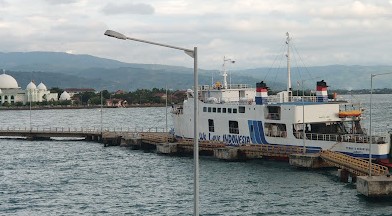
[[237, 114]]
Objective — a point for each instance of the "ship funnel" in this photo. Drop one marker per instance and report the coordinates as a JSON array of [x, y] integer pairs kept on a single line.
[[261, 93], [322, 94]]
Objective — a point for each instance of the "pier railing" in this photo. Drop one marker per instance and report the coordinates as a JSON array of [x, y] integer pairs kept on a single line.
[[80, 129], [357, 166]]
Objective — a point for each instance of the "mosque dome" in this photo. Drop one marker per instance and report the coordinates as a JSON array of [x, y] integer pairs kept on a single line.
[[65, 96], [7, 82], [42, 86], [31, 86]]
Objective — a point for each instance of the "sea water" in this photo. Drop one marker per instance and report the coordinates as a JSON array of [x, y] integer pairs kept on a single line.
[[66, 177]]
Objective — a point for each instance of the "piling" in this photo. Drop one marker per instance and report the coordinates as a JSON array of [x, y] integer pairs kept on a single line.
[[167, 148], [375, 186], [227, 154], [343, 175], [308, 160]]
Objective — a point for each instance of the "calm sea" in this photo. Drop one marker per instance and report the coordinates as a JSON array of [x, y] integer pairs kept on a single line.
[[66, 177]]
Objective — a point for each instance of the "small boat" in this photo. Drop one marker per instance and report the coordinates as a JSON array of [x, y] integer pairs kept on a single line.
[[352, 113]]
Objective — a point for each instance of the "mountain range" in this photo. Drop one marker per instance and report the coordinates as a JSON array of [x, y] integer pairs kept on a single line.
[[64, 70]]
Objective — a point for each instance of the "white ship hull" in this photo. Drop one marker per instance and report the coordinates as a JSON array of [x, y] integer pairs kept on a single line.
[[253, 128]]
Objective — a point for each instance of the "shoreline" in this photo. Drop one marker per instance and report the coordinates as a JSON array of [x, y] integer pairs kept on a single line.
[[78, 107]]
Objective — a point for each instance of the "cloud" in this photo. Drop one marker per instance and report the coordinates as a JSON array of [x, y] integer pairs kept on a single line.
[[251, 31], [140, 8], [58, 2]]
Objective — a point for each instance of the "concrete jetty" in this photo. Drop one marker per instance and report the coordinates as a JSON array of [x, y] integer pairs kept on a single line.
[[308, 160], [375, 186]]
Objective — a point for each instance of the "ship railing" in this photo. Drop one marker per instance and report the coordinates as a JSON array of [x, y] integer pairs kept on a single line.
[[239, 86], [278, 99], [229, 86], [353, 138]]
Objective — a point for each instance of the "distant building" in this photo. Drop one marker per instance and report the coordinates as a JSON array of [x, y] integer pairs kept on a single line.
[[65, 96], [116, 103], [74, 91], [119, 92], [162, 96], [11, 93]]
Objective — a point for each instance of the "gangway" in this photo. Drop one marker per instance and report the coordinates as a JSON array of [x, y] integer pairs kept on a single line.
[[357, 166]]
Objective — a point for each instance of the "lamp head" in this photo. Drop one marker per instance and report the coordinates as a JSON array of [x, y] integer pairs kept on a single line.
[[115, 34]]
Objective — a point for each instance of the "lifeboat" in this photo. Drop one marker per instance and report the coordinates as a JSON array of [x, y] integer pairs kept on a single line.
[[352, 113]]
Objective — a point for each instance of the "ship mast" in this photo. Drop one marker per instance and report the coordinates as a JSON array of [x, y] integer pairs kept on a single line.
[[224, 70], [288, 63]]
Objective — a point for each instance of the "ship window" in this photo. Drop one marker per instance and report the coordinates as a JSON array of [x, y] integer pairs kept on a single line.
[[241, 109], [233, 127], [209, 109], [275, 130], [204, 109], [219, 110], [229, 110], [211, 125], [273, 113], [214, 110], [234, 110], [224, 110]]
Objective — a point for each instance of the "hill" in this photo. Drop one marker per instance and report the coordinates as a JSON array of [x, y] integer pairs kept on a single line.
[[64, 70]]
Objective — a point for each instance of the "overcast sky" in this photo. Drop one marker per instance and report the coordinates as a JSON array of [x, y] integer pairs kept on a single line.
[[250, 31]]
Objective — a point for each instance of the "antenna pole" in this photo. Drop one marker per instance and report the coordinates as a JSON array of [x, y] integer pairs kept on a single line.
[[288, 63], [224, 73]]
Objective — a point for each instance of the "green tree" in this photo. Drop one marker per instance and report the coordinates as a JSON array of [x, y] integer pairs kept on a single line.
[[56, 90]]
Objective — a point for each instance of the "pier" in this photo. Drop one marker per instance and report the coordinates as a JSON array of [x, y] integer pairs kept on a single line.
[[154, 139]]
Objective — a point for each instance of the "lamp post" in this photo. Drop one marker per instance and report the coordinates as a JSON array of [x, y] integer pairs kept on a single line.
[[370, 119], [192, 54], [101, 112], [30, 94], [303, 117]]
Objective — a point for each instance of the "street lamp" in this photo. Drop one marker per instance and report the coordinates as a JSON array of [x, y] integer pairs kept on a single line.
[[370, 119], [101, 112], [192, 54], [303, 117]]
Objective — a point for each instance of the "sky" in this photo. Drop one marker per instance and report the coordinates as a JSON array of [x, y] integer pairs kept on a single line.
[[251, 32]]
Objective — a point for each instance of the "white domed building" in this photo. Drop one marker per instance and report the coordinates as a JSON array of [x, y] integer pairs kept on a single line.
[[65, 96], [11, 93]]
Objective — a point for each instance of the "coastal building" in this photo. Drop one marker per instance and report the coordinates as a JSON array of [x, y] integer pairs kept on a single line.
[[74, 91], [65, 96], [11, 93]]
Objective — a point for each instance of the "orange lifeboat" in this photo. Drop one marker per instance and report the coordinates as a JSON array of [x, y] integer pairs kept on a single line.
[[352, 113]]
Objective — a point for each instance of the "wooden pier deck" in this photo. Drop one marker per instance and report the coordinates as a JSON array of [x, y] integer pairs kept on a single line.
[[151, 138]]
